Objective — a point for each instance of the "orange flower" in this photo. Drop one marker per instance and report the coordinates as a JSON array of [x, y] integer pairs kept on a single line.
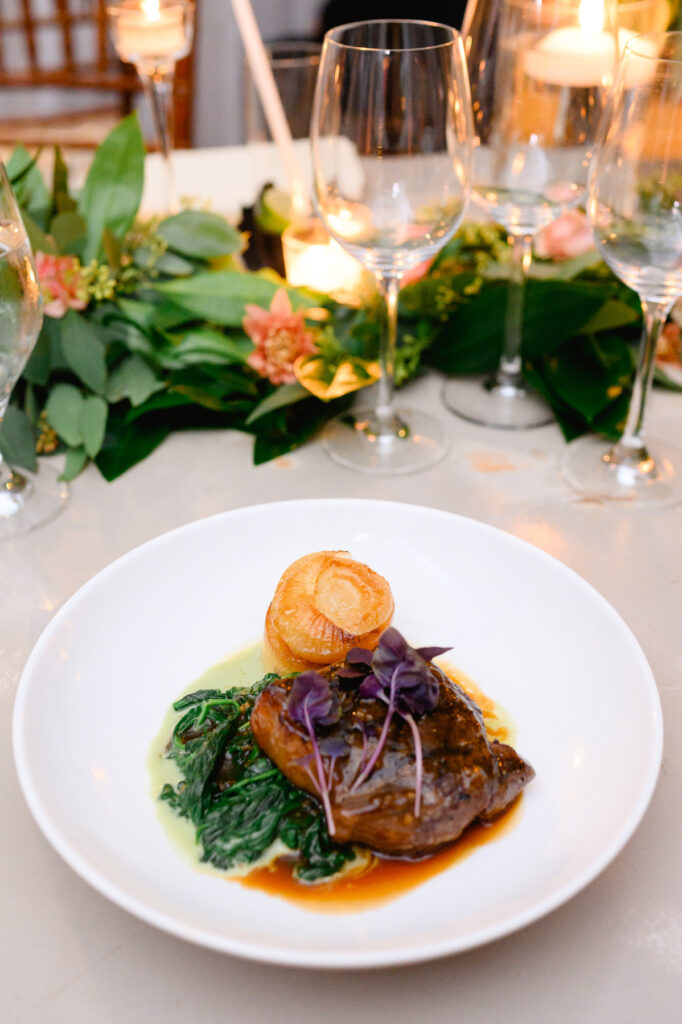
[[280, 337], [61, 283], [564, 238]]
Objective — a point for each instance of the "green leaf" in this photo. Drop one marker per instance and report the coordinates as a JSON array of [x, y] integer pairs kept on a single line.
[[200, 234], [612, 315], [63, 203], [84, 351], [63, 411], [174, 265], [285, 395], [40, 242], [203, 345], [30, 189], [92, 422], [113, 188], [17, 439], [133, 379], [578, 377], [69, 231], [222, 296], [76, 459], [126, 444], [37, 369]]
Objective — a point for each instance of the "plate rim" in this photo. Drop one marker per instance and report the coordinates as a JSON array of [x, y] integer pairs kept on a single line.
[[288, 956]]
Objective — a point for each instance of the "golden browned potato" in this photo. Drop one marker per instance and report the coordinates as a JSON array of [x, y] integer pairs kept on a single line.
[[325, 604]]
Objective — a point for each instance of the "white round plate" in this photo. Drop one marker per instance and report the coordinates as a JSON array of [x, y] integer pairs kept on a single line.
[[531, 634]]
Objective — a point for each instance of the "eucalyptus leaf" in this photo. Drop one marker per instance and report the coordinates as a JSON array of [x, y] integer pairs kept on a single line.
[[200, 234], [74, 463], [174, 266], [92, 422], [63, 412], [17, 439], [113, 188], [613, 314], [133, 379], [84, 351]]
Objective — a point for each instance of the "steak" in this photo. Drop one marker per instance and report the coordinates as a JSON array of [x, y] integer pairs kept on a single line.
[[465, 776]]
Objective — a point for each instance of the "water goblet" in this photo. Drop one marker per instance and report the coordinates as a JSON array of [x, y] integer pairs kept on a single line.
[[635, 209], [26, 499], [539, 72], [391, 139]]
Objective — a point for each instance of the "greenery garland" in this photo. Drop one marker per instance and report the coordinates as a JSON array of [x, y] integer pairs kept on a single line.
[[145, 327]]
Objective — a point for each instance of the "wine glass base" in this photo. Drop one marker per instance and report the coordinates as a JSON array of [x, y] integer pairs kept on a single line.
[[350, 441], [488, 403], [29, 499], [655, 481]]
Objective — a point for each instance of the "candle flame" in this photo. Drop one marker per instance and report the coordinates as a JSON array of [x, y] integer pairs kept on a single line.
[[591, 15], [152, 8]]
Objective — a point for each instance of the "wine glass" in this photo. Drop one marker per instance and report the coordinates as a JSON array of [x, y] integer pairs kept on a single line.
[[539, 72], [391, 139], [154, 35], [635, 209], [26, 499]]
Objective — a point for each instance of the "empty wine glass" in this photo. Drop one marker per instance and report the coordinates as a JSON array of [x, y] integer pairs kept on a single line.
[[539, 72], [391, 138], [26, 499], [635, 208]]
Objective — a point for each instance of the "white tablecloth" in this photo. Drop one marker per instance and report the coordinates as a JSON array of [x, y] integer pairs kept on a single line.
[[612, 954]]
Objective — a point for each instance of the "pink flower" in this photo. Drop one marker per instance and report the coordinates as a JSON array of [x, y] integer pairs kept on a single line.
[[564, 238], [280, 337], [61, 283]]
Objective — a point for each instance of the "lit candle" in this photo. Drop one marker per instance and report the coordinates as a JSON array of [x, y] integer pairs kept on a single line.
[[575, 56], [314, 260], [149, 30]]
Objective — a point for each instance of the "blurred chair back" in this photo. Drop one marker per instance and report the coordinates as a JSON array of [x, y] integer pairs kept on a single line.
[[60, 80]]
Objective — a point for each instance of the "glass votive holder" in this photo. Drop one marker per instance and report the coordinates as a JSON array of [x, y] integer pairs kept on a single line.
[[312, 259]]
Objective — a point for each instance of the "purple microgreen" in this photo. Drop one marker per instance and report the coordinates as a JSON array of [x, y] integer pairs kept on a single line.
[[402, 677], [429, 653], [310, 702], [360, 656], [333, 747]]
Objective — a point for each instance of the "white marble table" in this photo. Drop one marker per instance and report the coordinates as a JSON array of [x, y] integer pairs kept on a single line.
[[613, 953]]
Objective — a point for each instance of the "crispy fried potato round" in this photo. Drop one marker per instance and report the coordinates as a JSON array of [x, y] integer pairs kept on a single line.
[[325, 604]]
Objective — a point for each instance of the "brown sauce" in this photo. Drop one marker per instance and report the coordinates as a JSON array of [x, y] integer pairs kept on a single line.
[[382, 879]]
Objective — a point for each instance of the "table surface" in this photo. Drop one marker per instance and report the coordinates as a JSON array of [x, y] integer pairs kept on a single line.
[[613, 953]]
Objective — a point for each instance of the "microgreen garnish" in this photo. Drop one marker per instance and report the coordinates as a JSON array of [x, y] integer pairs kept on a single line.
[[312, 702], [401, 676]]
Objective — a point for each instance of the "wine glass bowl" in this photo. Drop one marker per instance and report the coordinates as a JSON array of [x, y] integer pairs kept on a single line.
[[539, 73], [392, 144], [26, 499], [635, 209]]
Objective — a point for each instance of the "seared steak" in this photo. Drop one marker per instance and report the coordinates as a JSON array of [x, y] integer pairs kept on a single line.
[[465, 777]]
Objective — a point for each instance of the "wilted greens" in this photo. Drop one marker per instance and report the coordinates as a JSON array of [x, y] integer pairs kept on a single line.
[[236, 798]]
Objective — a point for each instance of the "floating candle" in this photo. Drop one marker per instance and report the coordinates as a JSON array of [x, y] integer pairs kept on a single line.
[[150, 30], [314, 260], [579, 56]]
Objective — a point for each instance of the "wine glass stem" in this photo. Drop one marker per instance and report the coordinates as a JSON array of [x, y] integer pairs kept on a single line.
[[158, 87], [390, 289], [655, 315], [509, 371]]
